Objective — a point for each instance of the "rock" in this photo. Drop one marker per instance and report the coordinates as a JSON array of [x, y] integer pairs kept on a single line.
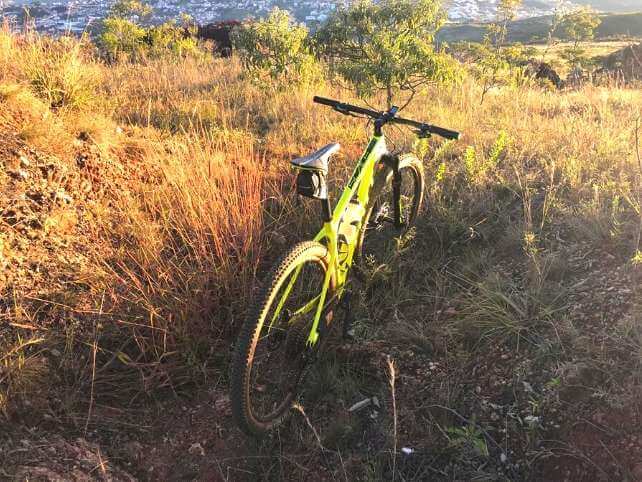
[[625, 64], [24, 162], [61, 195], [360, 405], [19, 174], [197, 449]]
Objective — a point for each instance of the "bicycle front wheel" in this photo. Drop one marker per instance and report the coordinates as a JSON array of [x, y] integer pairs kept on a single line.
[[378, 235], [272, 354]]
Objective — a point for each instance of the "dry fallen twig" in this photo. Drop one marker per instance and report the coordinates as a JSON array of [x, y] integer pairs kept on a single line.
[[392, 373]]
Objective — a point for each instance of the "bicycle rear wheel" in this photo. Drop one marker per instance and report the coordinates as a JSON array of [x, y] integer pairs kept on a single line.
[[272, 354], [378, 235]]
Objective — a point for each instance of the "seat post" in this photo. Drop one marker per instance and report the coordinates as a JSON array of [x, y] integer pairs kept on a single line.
[[326, 209]]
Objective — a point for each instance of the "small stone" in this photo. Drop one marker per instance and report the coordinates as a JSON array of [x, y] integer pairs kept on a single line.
[[360, 405], [197, 449], [19, 174], [24, 162], [62, 196]]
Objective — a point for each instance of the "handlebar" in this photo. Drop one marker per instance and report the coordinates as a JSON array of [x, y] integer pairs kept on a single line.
[[386, 117]]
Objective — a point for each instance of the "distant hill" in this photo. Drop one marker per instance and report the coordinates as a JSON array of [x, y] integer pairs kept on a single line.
[[536, 28], [613, 5]]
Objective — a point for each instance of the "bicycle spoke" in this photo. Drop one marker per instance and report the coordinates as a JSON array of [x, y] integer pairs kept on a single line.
[[280, 355]]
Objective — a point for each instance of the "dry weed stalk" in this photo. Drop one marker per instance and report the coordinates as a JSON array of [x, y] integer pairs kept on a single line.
[[299, 408], [392, 374], [639, 158]]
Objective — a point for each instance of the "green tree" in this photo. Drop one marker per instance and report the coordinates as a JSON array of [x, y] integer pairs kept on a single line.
[[170, 38], [121, 33], [120, 36], [579, 25], [494, 56], [131, 10], [388, 45], [276, 47]]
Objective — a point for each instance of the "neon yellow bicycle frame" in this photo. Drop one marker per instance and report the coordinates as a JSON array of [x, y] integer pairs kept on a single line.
[[359, 185]]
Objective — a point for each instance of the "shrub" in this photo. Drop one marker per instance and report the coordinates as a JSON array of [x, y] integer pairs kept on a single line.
[[122, 37], [170, 38], [60, 71], [399, 57], [579, 25], [275, 48]]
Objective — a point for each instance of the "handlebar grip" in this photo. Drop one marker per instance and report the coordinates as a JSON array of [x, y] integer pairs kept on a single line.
[[325, 101]]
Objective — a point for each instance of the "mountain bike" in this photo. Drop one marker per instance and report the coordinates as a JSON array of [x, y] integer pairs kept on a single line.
[[292, 314]]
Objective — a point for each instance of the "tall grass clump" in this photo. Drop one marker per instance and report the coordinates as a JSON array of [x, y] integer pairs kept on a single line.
[[6, 49], [61, 71], [193, 238]]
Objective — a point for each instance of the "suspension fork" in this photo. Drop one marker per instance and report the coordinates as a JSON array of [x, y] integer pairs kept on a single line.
[[393, 161]]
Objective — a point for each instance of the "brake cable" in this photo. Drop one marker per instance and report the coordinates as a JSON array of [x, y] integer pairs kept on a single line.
[[350, 114]]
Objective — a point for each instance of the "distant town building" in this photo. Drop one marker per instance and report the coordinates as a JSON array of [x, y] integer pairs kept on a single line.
[[79, 15]]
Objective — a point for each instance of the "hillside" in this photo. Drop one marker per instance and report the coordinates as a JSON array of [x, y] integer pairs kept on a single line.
[[536, 29], [142, 202]]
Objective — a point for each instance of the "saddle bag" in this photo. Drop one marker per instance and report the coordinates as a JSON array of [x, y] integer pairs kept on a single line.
[[311, 183]]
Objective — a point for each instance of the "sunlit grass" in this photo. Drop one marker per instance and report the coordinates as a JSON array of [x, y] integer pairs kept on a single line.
[[196, 180]]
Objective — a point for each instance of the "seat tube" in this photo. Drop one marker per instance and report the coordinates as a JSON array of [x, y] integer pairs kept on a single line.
[[326, 210]]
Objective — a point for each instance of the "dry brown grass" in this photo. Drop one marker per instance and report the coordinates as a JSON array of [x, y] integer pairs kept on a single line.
[[190, 182]]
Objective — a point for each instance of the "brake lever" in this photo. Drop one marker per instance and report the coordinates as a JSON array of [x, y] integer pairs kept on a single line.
[[422, 134]]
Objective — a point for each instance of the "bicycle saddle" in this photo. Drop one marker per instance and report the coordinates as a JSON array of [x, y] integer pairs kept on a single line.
[[317, 160]]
